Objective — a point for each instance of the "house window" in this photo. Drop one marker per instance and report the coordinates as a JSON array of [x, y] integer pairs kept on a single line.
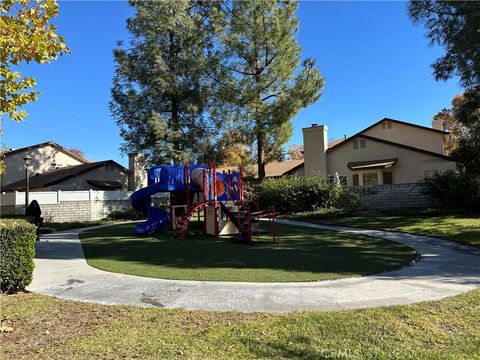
[[363, 144], [370, 178], [355, 180], [386, 125], [387, 177], [355, 144]]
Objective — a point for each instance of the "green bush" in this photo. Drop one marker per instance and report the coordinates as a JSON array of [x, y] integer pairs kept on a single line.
[[454, 189], [296, 194], [17, 249], [131, 214]]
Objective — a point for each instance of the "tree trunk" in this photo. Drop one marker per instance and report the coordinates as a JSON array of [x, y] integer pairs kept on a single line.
[[174, 98], [260, 156]]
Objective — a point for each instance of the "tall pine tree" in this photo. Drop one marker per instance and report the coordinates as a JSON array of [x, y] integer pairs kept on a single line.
[[161, 93], [266, 86]]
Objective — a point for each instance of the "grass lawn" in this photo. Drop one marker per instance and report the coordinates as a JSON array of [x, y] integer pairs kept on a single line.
[[458, 228], [56, 226], [46, 328], [300, 254]]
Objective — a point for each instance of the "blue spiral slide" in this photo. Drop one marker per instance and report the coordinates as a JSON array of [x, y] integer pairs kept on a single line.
[[157, 218]]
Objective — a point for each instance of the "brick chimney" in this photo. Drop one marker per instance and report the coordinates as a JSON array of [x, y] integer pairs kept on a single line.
[[138, 172], [315, 145], [437, 124]]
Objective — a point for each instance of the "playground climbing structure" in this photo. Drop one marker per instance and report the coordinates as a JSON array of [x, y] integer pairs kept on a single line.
[[197, 188]]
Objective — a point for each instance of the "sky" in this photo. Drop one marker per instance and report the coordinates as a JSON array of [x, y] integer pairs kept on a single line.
[[375, 62]]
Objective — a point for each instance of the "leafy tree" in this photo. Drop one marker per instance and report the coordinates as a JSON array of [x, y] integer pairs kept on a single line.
[[161, 95], [462, 121], [234, 149], [451, 124], [467, 111], [77, 152], [25, 35], [265, 86], [454, 25], [295, 152]]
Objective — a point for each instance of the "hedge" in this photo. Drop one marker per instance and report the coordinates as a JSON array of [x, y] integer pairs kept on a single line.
[[455, 189], [17, 249], [297, 194]]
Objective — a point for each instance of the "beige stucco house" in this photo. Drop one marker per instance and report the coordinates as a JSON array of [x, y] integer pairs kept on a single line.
[[387, 152], [55, 168]]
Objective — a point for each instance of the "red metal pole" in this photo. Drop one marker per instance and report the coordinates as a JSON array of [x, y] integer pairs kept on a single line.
[[241, 185], [215, 204], [204, 199], [249, 225], [171, 212], [229, 183], [187, 183], [273, 223]]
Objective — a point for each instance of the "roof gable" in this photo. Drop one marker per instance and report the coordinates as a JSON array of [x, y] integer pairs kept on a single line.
[[388, 142], [404, 123], [52, 144]]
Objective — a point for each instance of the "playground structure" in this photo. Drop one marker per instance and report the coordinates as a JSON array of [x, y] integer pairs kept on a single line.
[[197, 188]]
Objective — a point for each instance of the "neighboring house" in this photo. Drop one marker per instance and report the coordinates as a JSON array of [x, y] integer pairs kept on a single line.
[[55, 168], [387, 152], [45, 157], [101, 175]]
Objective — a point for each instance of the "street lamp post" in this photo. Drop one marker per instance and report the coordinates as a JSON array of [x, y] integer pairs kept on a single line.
[[27, 160]]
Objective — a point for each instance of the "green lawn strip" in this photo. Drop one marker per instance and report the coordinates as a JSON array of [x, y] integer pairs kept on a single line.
[[57, 226], [300, 254], [446, 329], [461, 229]]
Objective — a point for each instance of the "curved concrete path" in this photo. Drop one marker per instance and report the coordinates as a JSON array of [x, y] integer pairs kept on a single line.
[[445, 269]]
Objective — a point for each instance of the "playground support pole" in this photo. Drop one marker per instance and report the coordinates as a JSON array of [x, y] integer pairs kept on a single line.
[[241, 185], [205, 200], [171, 211], [187, 183], [249, 226], [229, 183], [215, 203], [273, 224]]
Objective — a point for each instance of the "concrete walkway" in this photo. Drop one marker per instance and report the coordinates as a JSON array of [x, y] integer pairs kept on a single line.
[[445, 269]]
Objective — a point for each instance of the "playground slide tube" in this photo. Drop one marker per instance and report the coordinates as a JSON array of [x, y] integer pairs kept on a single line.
[[157, 218]]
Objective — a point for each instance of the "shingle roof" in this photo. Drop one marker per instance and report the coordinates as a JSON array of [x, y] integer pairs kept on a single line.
[[55, 176], [272, 169], [372, 164]]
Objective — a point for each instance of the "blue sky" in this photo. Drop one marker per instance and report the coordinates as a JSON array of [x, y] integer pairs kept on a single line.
[[375, 62]]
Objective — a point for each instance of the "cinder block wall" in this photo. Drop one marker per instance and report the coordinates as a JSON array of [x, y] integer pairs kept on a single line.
[[87, 210], [395, 196]]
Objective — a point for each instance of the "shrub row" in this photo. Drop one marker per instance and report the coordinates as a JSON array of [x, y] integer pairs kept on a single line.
[[131, 214], [17, 249], [455, 189], [295, 194]]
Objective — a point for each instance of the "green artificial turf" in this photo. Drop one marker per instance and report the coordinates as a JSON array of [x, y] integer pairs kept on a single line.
[[41, 327], [459, 228], [300, 254]]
